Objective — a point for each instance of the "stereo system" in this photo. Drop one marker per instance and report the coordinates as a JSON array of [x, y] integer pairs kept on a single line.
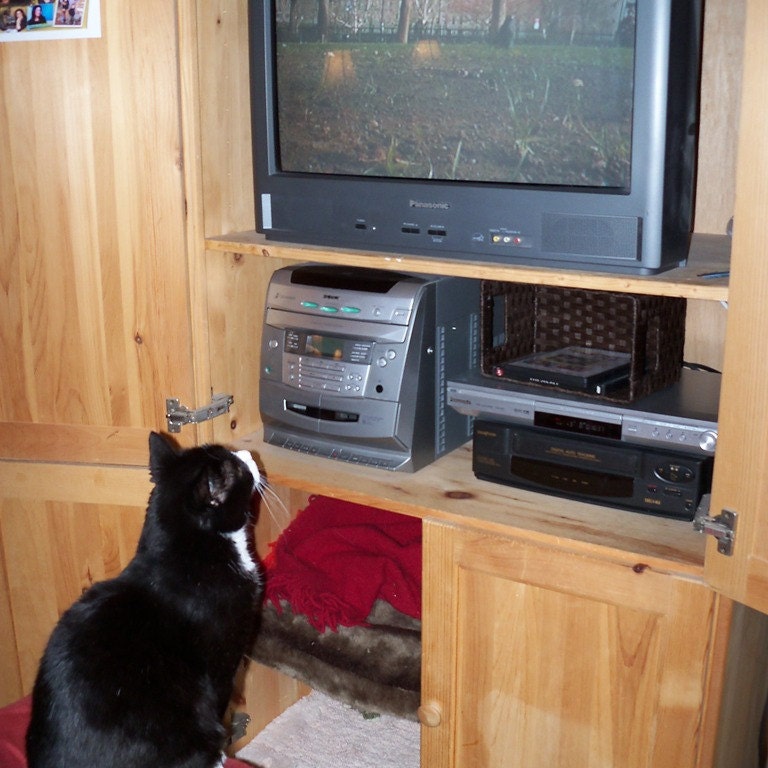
[[355, 363]]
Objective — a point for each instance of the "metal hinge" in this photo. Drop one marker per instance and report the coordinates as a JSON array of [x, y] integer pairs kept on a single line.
[[177, 415], [722, 526], [239, 726]]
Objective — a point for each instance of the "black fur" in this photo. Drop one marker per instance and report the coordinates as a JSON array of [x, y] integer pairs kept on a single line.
[[138, 672]]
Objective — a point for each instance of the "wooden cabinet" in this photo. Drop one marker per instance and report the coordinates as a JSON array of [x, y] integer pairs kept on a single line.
[[556, 633]]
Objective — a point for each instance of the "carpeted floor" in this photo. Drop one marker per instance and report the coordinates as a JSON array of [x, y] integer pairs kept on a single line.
[[320, 732]]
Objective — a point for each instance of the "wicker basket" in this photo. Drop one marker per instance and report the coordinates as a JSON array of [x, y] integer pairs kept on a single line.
[[518, 319]]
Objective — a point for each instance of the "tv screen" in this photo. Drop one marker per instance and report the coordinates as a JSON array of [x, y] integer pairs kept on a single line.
[[558, 132]]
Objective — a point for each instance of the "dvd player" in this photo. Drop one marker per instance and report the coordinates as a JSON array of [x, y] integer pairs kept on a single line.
[[681, 418]]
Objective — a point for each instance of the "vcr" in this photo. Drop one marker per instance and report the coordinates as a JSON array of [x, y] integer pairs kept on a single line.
[[598, 470]]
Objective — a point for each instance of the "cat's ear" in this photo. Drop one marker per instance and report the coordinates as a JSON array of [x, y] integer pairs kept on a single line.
[[160, 453]]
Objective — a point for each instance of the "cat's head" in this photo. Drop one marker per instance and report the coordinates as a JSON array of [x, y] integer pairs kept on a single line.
[[208, 486]]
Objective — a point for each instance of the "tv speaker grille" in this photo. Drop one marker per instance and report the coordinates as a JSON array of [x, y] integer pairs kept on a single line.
[[615, 237]]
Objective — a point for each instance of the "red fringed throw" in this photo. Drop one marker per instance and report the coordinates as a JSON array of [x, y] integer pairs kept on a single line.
[[337, 558]]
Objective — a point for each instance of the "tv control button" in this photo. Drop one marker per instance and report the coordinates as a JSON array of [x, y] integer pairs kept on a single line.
[[382, 362], [329, 310], [309, 304]]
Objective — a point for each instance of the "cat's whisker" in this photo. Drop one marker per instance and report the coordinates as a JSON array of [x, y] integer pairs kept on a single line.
[[278, 511]]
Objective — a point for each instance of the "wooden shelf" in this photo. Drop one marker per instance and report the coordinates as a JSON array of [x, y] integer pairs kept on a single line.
[[448, 490], [708, 254]]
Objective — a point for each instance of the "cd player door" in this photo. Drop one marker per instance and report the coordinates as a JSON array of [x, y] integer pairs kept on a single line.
[[342, 378]]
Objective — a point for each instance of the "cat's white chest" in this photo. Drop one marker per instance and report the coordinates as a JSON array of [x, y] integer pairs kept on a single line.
[[239, 540]]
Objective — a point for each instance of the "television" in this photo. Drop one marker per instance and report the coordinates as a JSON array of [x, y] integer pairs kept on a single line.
[[553, 133]]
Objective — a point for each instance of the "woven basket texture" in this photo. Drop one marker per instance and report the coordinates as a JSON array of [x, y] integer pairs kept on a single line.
[[518, 319]]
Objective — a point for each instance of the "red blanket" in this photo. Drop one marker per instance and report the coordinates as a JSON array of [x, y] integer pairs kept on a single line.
[[337, 558]]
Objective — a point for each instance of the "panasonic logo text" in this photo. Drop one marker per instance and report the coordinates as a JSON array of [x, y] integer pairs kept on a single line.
[[429, 205]]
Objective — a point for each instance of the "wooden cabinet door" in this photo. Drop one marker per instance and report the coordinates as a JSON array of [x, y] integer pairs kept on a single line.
[[541, 658], [741, 470], [62, 528], [95, 327]]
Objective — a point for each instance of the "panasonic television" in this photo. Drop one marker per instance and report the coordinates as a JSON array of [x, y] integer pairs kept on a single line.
[[559, 133]]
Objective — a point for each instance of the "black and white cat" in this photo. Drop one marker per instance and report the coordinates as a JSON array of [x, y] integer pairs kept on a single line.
[[139, 671]]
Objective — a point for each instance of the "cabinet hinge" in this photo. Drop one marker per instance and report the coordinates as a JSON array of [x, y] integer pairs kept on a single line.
[[238, 727], [722, 526], [177, 415]]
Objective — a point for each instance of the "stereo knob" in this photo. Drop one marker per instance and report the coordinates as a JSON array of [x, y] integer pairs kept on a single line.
[[708, 441]]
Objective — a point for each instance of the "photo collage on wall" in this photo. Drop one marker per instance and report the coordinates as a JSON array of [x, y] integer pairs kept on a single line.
[[49, 21]]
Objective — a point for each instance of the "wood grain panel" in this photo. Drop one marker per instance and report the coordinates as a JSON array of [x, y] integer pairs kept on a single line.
[[580, 662], [94, 328], [705, 323], [238, 281], [62, 527], [225, 116], [741, 471], [75, 442], [10, 676], [724, 22]]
